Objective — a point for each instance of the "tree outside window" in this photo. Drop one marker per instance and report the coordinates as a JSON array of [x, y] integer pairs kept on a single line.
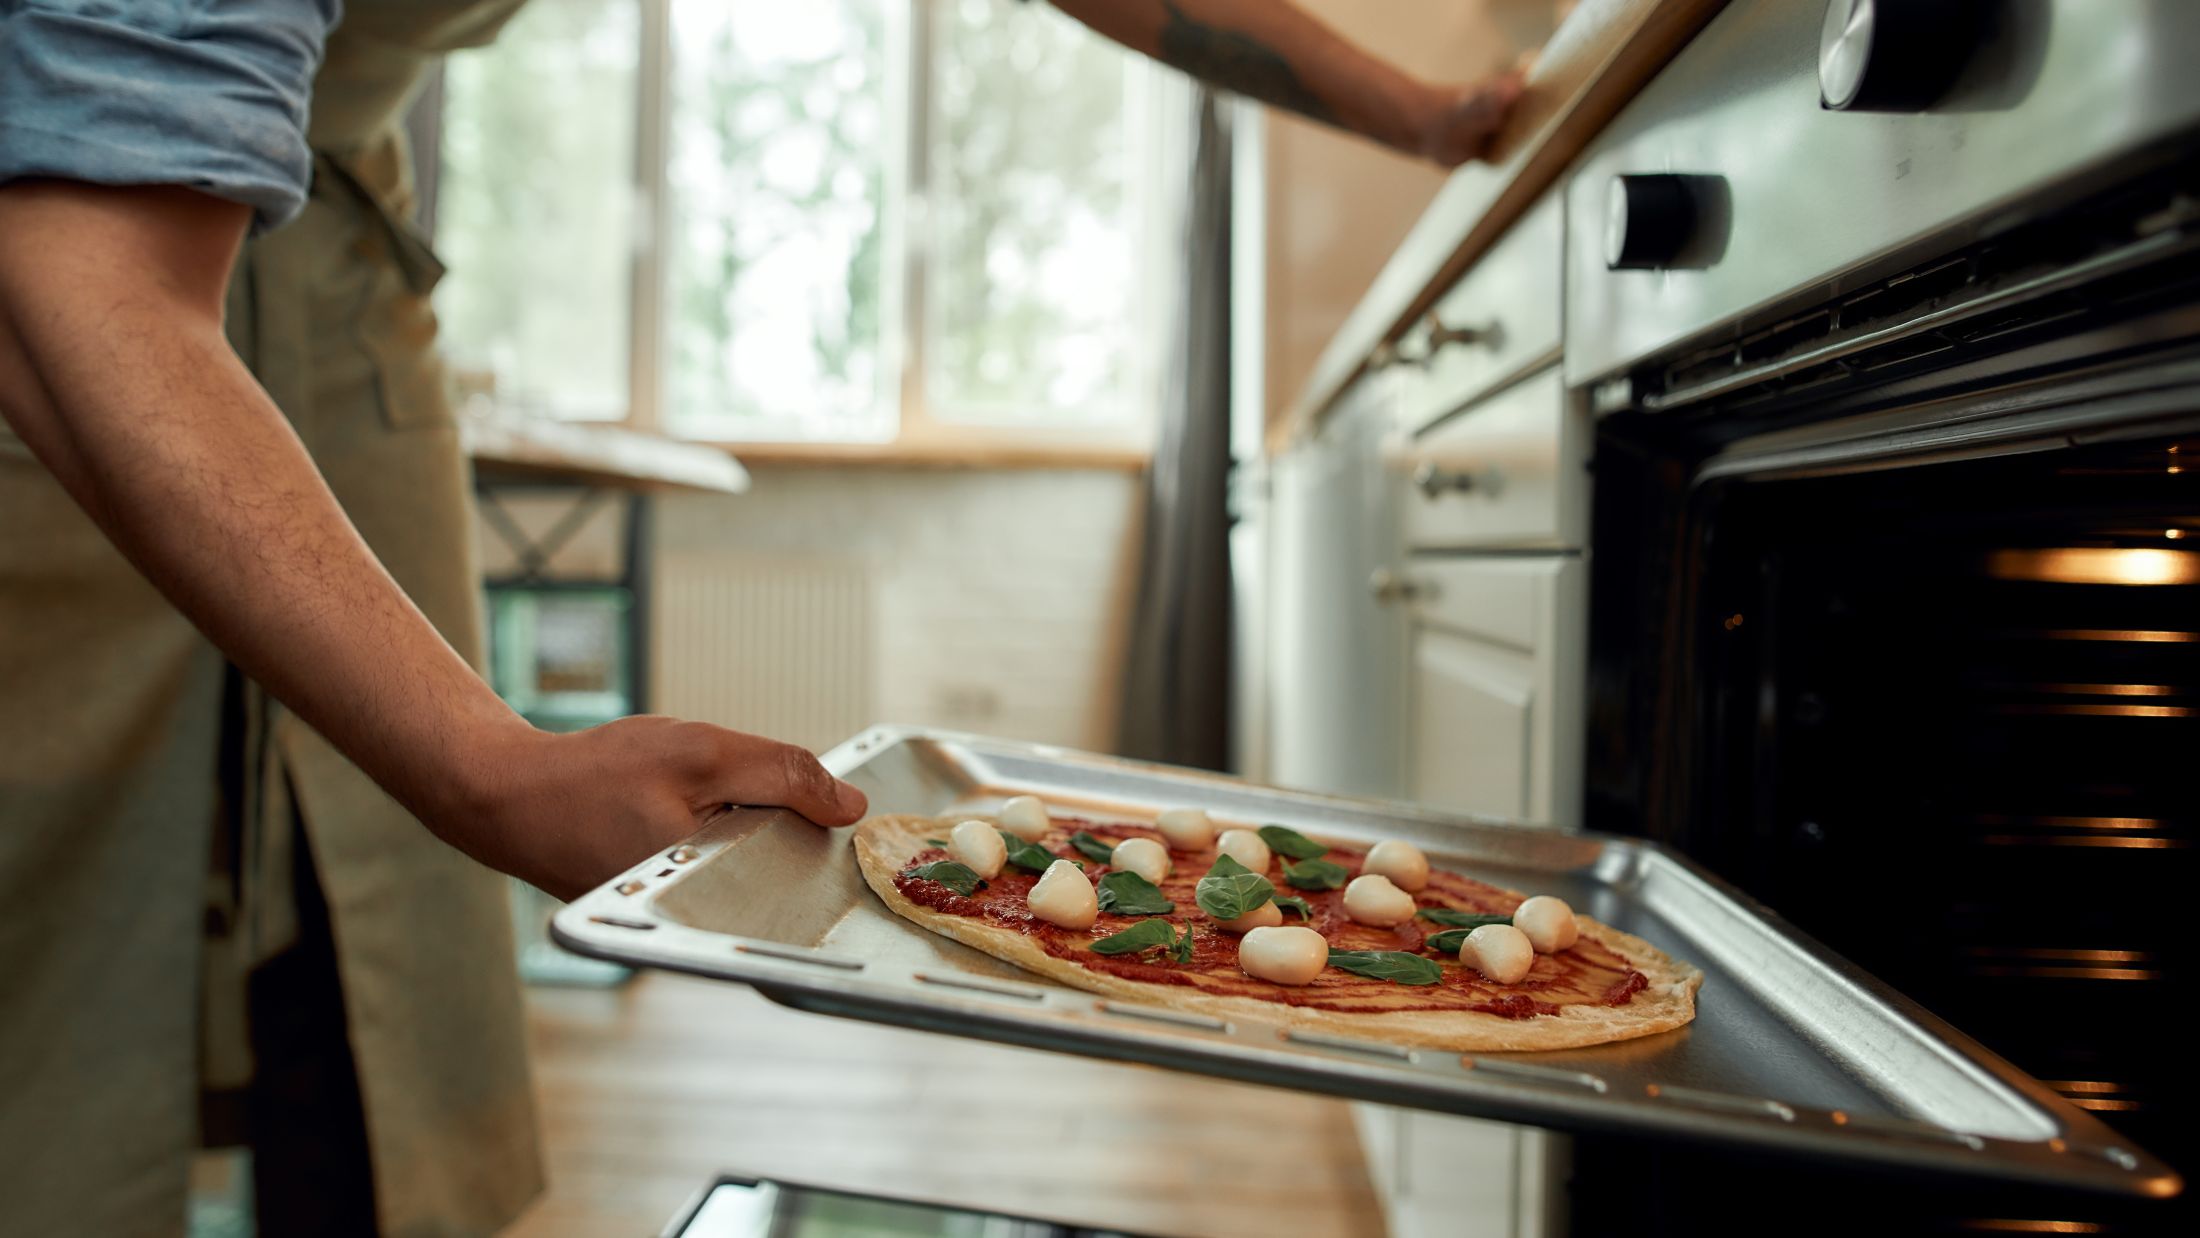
[[867, 219]]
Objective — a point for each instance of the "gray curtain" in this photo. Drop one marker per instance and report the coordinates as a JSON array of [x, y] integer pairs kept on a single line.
[[1176, 693]]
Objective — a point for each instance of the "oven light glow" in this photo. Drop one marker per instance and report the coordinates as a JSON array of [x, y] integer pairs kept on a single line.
[[2090, 565], [2133, 635], [2173, 534]]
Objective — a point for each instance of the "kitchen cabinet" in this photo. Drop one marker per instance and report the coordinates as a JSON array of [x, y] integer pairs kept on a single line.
[[1473, 705], [1336, 655], [1499, 321], [1497, 647], [1251, 531], [1509, 472]]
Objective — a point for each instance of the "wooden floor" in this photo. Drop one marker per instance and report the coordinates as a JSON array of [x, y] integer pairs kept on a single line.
[[650, 1090]]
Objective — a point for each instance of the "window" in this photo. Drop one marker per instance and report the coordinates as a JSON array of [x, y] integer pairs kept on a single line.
[[934, 221]]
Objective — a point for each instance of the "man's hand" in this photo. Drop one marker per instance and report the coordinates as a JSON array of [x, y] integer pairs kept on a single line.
[[565, 812], [114, 371], [1462, 121]]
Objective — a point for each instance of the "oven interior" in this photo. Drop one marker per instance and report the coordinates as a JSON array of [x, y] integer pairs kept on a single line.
[[1951, 724], [1946, 719], [1935, 698]]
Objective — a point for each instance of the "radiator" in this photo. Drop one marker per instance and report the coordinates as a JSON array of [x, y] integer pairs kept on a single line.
[[778, 646]]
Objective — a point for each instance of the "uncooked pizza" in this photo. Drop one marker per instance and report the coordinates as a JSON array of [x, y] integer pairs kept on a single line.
[[1269, 923]]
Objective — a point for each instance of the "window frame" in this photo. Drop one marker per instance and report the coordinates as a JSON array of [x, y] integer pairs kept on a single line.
[[919, 433]]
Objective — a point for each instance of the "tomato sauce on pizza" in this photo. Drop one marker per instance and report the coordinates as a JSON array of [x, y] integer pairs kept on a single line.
[[1588, 974]]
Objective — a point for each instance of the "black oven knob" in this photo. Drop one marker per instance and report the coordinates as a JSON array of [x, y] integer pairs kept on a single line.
[[1894, 55], [1648, 221]]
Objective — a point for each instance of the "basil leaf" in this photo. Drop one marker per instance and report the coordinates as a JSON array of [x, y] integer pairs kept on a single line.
[[1230, 889], [1446, 942], [1460, 919], [1393, 965], [1315, 875], [1182, 950], [1028, 855], [1097, 849], [1128, 894], [956, 877], [1285, 841], [1144, 935], [1292, 902], [935, 842]]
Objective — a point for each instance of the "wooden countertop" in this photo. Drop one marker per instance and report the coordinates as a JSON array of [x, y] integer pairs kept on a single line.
[[1594, 64], [507, 447]]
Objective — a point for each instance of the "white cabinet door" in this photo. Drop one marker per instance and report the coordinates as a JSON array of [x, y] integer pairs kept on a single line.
[[1457, 1178], [1251, 528], [1473, 712], [1497, 650], [1336, 656]]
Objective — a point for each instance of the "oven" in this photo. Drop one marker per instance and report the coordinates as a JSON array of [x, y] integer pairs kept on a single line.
[[1890, 314]]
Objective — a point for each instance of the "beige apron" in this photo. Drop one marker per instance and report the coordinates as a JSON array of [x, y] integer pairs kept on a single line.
[[110, 708]]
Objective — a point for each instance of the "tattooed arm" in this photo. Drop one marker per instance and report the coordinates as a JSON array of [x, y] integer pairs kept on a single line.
[[1271, 51]]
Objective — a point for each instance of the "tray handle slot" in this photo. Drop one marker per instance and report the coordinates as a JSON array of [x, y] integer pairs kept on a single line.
[[1205, 1023], [1723, 1102], [1903, 1128], [1371, 1047], [639, 926], [790, 955], [1535, 1074], [2118, 1157], [980, 986]]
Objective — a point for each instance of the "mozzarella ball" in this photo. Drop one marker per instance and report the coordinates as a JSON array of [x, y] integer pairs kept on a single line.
[[1187, 829], [1548, 923], [1499, 951], [1025, 816], [1293, 955], [1370, 898], [1246, 848], [1267, 915], [1402, 862], [1143, 856], [1064, 896], [978, 845]]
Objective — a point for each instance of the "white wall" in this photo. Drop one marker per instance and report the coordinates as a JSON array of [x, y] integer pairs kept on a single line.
[[999, 599]]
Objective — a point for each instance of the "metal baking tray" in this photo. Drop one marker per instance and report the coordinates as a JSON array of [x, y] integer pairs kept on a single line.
[[1792, 1049]]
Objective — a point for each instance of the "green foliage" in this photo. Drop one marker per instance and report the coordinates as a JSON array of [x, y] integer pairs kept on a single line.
[[1230, 889], [1094, 847], [1128, 894], [1286, 841], [1144, 935], [1460, 919], [957, 877], [1393, 965], [1314, 875], [1027, 855]]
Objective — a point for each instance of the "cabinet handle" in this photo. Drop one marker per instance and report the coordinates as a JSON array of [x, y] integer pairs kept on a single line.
[[1387, 586], [1440, 337], [1434, 482]]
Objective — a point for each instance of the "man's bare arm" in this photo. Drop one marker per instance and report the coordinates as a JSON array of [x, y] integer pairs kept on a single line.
[[1272, 51], [115, 371]]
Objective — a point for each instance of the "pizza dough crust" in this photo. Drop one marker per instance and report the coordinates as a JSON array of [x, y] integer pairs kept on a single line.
[[884, 846]]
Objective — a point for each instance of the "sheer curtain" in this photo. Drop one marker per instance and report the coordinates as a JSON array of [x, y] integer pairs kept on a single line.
[[1176, 692]]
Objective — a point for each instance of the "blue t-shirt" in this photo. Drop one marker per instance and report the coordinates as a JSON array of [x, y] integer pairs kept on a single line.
[[207, 94]]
